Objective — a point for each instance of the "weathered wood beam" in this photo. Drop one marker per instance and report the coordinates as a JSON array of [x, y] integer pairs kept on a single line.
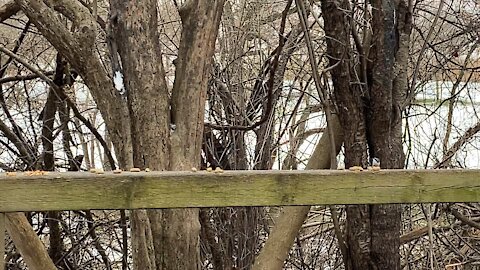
[[76, 190]]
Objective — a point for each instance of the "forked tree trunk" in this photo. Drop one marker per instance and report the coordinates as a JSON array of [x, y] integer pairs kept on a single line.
[[163, 133], [167, 132], [371, 116]]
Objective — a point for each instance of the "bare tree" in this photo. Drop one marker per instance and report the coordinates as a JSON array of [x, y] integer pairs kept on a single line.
[[264, 95], [150, 127]]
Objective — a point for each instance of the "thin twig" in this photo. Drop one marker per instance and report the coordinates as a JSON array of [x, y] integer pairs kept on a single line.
[[270, 83], [24, 77], [430, 236], [411, 94]]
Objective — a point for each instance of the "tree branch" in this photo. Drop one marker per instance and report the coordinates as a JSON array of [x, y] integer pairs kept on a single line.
[[28, 77], [28, 66], [28, 243], [465, 138], [77, 113], [8, 9], [78, 48], [464, 219]]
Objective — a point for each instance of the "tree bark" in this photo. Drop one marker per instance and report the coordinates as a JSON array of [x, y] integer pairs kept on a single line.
[[27, 242], [371, 117], [134, 25], [200, 22], [385, 128], [8, 9], [167, 132], [352, 118]]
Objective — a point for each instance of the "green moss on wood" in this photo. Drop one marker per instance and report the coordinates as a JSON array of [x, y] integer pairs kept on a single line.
[[72, 191]]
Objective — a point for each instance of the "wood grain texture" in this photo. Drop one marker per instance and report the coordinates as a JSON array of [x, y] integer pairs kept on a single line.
[[76, 190]]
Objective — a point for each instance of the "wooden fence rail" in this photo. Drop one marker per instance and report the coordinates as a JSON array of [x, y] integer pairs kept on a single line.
[[129, 190], [132, 190]]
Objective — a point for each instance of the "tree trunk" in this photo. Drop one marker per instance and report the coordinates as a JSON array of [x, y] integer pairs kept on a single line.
[[78, 48], [200, 22], [166, 134], [134, 25], [55, 250], [27, 242], [370, 116], [147, 127], [352, 118], [384, 126]]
